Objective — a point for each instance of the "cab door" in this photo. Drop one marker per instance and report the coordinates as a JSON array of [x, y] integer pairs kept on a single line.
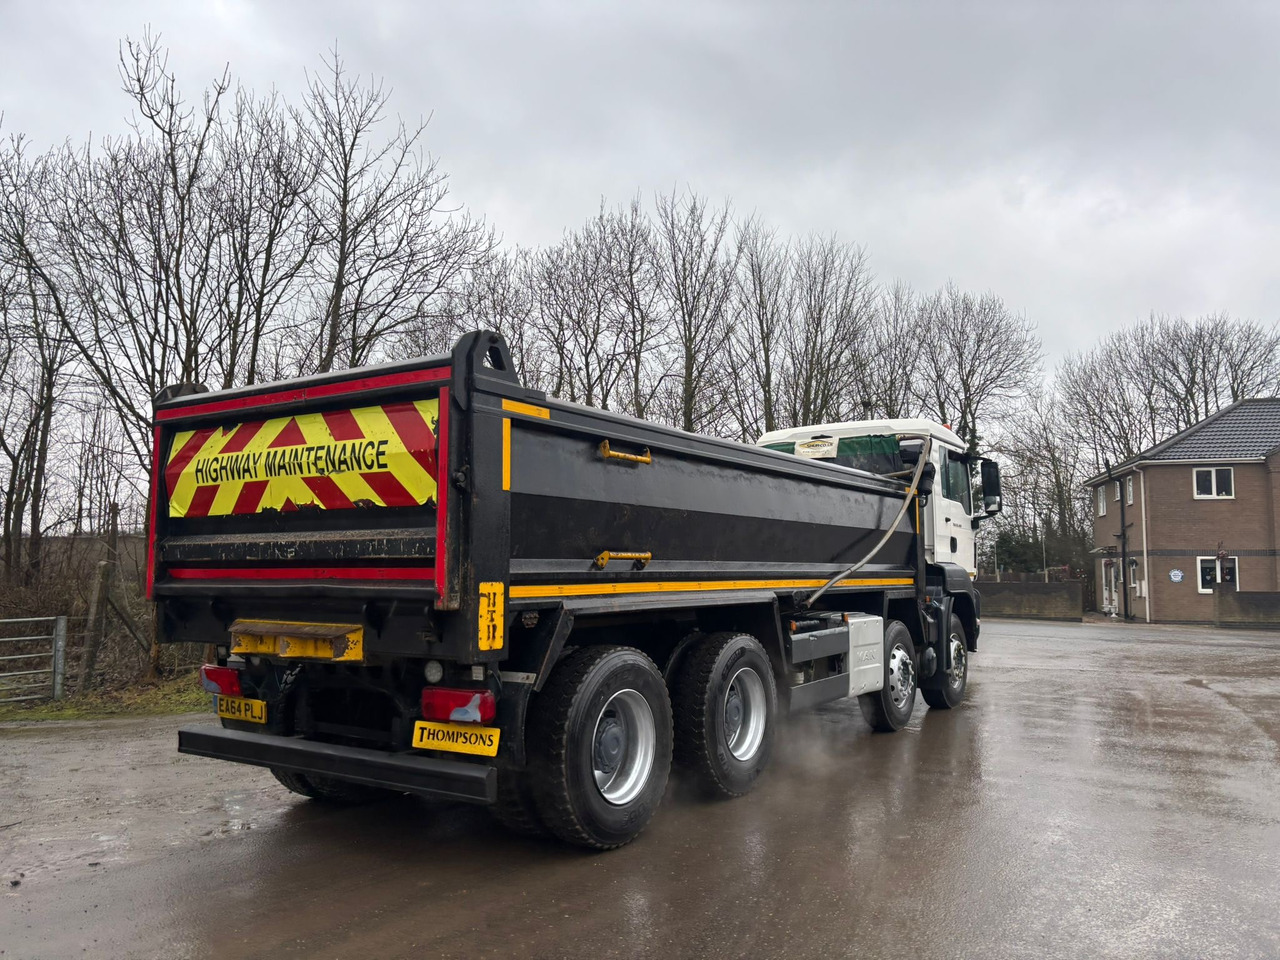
[[953, 511]]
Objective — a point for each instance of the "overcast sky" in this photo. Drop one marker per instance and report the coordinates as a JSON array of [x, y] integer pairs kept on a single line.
[[1088, 162]]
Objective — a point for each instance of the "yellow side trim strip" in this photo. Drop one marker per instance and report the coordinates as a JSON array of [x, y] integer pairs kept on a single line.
[[528, 409], [540, 591], [506, 453]]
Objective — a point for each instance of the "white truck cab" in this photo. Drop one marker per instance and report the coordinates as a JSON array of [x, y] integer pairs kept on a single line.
[[883, 446]]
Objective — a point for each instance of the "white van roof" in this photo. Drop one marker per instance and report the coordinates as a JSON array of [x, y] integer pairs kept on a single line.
[[865, 428]]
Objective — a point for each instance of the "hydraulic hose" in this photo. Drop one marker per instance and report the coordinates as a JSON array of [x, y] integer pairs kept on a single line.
[[810, 600]]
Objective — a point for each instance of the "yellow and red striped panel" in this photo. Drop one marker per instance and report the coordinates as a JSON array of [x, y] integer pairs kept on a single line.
[[381, 456]]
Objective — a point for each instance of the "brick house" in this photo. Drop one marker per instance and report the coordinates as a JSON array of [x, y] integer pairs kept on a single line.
[[1202, 513]]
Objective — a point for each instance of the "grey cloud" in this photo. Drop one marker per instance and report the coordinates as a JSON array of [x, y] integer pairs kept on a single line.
[[1089, 162]]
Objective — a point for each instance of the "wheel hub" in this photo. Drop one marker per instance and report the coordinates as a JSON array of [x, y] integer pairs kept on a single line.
[[624, 743], [732, 713], [955, 676], [611, 742], [745, 714], [902, 678]]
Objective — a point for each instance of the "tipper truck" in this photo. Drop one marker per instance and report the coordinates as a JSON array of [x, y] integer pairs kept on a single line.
[[424, 577]]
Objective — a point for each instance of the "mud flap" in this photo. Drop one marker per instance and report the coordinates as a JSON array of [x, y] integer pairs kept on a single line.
[[939, 649]]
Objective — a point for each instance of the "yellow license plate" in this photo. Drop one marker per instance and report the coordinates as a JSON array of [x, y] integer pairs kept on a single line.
[[238, 708], [456, 737]]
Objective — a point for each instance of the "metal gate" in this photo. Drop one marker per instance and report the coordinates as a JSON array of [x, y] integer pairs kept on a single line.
[[33, 666]]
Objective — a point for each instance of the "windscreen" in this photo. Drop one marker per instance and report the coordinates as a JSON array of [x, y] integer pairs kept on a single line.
[[873, 453]]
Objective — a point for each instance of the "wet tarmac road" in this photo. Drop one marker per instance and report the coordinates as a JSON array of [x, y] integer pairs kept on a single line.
[[1107, 791]]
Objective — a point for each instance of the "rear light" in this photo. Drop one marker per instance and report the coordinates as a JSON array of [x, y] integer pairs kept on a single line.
[[460, 706], [221, 680]]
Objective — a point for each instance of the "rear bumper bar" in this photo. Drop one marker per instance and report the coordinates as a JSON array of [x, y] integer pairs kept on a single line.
[[429, 776]]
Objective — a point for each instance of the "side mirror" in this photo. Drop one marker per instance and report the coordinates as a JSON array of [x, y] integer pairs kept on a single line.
[[991, 501], [927, 475]]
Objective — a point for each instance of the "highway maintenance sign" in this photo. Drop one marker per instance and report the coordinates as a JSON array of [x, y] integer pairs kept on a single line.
[[381, 456]]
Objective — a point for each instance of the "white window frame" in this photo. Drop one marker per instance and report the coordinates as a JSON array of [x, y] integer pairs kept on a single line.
[[1102, 500], [1128, 490], [1217, 572], [1117, 491], [1213, 477]]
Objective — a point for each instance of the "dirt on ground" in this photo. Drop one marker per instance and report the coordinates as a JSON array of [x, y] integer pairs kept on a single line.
[[1108, 790]]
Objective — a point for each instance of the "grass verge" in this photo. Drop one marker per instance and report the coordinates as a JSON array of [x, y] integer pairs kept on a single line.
[[179, 694]]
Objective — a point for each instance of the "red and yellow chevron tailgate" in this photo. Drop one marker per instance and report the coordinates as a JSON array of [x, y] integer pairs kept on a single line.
[[381, 456]]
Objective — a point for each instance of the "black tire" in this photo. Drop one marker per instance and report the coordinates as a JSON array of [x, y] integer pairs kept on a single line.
[[327, 789], [949, 692], [724, 675], [514, 807], [889, 708], [619, 687]]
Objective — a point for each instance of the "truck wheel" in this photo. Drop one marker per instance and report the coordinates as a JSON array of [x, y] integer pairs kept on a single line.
[[726, 704], [950, 692], [600, 736], [327, 789], [514, 807], [889, 708]]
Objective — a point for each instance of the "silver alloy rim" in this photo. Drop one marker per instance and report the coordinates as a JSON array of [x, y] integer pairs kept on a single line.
[[745, 711], [623, 745], [955, 676], [902, 677]]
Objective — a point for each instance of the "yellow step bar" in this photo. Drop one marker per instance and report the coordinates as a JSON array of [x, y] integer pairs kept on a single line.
[[337, 642]]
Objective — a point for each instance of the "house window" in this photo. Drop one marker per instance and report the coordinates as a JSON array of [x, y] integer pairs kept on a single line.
[[1215, 483], [1128, 490], [1102, 501], [1117, 491], [1213, 571]]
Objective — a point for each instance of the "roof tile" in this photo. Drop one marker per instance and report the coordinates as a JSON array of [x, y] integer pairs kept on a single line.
[[1244, 430]]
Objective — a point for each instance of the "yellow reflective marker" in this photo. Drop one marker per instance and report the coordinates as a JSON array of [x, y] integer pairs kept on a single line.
[[528, 409], [492, 604], [506, 453]]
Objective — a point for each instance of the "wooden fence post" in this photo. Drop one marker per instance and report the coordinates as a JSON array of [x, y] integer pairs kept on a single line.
[[96, 624]]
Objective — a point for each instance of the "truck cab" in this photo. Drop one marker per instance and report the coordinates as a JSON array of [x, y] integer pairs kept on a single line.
[[951, 513]]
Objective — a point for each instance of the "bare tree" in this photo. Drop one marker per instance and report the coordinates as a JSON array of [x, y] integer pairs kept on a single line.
[[269, 233], [698, 266], [497, 293], [763, 306], [641, 319], [139, 248], [976, 358], [577, 315], [1154, 378], [33, 310], [896, 341], [826, 339], [389, 247]]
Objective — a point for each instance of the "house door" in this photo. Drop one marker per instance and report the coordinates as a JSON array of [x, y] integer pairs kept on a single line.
[[1110, 587]]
